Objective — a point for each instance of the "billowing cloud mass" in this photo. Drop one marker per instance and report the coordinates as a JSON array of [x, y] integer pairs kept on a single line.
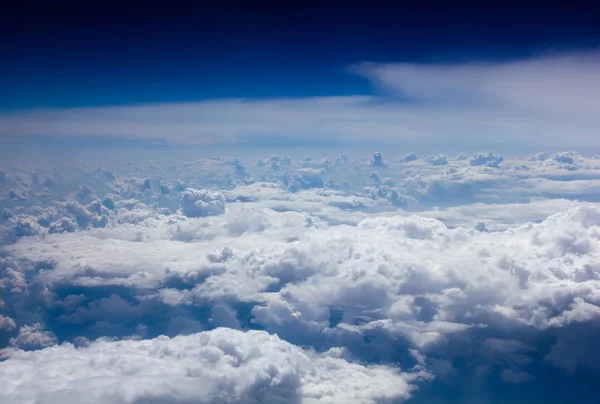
[[201, 202], [371, 279], [218, 366], [548, 101]]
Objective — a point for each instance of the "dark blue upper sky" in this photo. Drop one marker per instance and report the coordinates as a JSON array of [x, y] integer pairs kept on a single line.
[[131, 52]]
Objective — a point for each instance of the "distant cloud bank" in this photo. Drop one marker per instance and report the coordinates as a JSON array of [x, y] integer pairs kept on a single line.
[[547, 101]]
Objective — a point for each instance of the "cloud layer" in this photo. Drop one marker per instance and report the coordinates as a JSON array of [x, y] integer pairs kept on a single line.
[[377, 278]]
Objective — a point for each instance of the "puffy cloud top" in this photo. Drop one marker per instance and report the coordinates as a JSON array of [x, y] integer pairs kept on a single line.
[[202, 202], [439, 160], [409, 157], [219, 366], [488, 159], [32, 337]]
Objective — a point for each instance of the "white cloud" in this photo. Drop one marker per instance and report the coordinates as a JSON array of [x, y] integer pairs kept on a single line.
[[488, 159], [562, 85], [439, 160], [219, 366], [499, 216], [408, 276], [202, 202], [457, 284]]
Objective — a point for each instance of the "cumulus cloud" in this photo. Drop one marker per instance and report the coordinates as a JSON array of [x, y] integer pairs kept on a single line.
[[474, 271], [409, 157], [32, 337], [223, 365], [439, 160], [488, 159], [202, 202], [6, 323], [401, 277]]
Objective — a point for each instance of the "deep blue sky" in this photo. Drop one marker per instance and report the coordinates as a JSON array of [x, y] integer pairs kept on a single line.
[[112, 54]]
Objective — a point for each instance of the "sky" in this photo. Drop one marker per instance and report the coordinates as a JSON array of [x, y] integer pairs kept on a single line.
[[64, 68], [107, 53], [299, 202]]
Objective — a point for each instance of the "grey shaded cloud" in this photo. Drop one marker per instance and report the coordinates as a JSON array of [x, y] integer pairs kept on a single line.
[[32, 337], [489, 159], [202, 202]]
